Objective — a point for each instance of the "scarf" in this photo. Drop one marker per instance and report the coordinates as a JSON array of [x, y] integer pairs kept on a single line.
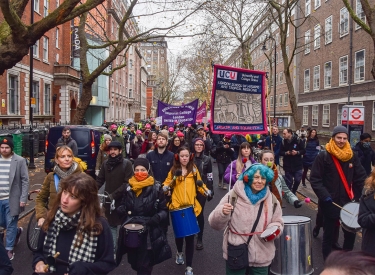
[[112, 162], [137, 186], [85, 252], [343, 154], [254, 198], [273, 187], [63, 174]]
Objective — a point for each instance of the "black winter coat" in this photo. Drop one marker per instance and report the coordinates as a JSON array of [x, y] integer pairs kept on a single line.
[[224, 155], [366, 219], [161, 164], [311, 152], [140, 210], [326, 181], [204, 166], [366, 156], [292, 163], [114, 185]]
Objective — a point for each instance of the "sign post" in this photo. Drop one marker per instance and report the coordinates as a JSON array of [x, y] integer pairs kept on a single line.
[[353, 117]]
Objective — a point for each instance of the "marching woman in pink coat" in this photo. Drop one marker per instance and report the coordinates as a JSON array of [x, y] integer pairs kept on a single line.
[[253, 198]]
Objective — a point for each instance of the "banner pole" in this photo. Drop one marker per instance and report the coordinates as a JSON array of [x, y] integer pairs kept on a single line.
[[269, 114]]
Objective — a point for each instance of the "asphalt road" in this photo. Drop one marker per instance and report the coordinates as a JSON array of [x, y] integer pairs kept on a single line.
[[207, 261]]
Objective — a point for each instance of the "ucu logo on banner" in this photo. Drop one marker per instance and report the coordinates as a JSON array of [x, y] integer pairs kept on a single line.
[[227, 74]]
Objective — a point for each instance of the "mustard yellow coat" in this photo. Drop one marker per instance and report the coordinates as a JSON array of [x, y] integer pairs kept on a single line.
[[184, 191]]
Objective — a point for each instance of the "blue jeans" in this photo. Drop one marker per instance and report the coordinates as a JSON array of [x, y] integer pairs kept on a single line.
[[9, 223], [297, 176]]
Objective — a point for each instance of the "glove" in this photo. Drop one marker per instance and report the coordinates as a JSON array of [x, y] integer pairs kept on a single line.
[[165, 188], [297, 204], [97, 172], [154, 221], [328, 199]]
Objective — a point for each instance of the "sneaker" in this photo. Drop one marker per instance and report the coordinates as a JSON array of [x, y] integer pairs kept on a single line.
[[19, 232], [220, 184], [189, 271], [199, 245], [224, 187], [180, 258], [10, 254]]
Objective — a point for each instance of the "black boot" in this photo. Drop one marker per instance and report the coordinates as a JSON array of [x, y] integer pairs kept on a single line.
[[199, 245]]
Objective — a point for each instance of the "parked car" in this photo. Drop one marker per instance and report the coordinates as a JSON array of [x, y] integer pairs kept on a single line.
[[88, 141]]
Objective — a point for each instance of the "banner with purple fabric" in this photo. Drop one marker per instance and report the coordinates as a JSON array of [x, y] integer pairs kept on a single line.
[[238, 101], [202, 112], [185, 114]]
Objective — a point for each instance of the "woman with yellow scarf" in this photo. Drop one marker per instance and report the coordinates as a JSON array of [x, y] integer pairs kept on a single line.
[[144, 210]]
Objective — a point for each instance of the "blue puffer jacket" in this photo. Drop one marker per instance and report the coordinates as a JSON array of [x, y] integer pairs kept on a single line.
[[311, 151]]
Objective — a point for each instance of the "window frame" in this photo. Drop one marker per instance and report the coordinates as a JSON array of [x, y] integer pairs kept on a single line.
[[340, 69], [305, 115], [15, 92], [339, 113], [325, 75], [357, 27], [325, 116], [316, 112], [317, 4], [36, 6], [328, 31], [317, 37], [286, 99], [307, 42], [271, 101], [305, 88], [45, 8], [36, 94], [36, 49], [57, 38], [316, 87], [45, 48], [355, 66], [344, 21], [47, 98], [307, 7]]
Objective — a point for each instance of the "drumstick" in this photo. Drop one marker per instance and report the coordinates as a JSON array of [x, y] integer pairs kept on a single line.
[[47, 266], [342, 208]]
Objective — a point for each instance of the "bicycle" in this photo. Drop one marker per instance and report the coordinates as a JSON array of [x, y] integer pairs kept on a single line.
[[33, 230]]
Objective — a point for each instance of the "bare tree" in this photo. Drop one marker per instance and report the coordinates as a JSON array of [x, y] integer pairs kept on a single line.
[[369, 11], [284, 16], [16, 36], [235, 21], [124, 40]]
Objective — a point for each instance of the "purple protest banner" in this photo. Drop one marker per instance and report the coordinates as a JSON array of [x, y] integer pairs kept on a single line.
[[238, 101], [202, 112], [185, 114]]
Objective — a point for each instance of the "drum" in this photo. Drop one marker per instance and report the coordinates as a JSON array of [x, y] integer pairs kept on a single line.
[[270, 233], [184, 222], [293, 254], [349, 217], [133, 235]]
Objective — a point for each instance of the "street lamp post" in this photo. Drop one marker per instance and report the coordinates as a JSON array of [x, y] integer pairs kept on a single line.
[[264, 49]]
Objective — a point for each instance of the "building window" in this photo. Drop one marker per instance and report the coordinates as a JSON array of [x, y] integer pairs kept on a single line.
[[359, 74], [271, 101], [36, 6], [317, 4], [327, 74], [360, 13], [35, 94], [317, 37], [131, 63], [357, 103], [36, 49], [306, 86], [47, 99], [305, 119], [286, 99], [316, 78], [45, 48], [315, 115], [13, 95], [343, 69], [328, 30], [307, 42], [373, 115], [281, 100], [287, 51], [339, 113], [131, 93], [130, 79], [307, 7], [45, 8], [325, 121], [344, 22], [57, 38], [281, 77]]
